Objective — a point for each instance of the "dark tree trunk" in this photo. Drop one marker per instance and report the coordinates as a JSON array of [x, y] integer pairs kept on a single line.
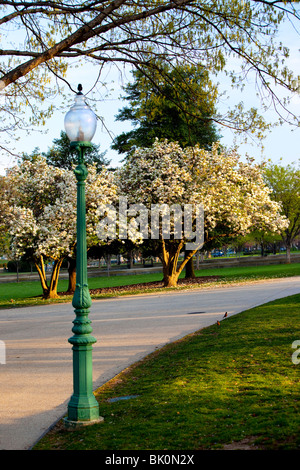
[[72, 275], [189, 267]]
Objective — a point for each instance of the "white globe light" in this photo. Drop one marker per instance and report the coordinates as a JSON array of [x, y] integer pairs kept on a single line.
[[80, 121]]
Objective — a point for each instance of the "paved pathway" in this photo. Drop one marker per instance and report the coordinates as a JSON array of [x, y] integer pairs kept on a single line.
[[36, 381]]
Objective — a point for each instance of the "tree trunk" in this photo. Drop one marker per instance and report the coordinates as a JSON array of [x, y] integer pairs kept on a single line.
[[49, 291], [72, 276], [108, 263], [288, 253], [171, 280], [189, 267], [288, 241], [170, 255], [170, 272], [130, 260], [52, 293], [40, 266], [198, 259]]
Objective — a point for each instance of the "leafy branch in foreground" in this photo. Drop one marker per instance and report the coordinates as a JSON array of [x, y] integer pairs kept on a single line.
[[231, 37]]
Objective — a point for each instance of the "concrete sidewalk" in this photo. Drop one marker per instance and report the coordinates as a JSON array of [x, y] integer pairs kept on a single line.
[[36, 381]]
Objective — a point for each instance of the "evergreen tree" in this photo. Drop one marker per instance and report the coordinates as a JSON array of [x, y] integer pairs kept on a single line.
[[176, 104], [62, 156]]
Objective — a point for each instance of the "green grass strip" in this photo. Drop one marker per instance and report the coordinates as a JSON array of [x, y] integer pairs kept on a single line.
[[27, 293]]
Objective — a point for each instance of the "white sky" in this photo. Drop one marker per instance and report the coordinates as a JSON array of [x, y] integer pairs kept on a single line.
[[282, 143]]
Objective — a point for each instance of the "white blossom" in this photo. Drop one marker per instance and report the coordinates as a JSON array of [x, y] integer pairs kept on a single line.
[[43, 209], [231, 192]]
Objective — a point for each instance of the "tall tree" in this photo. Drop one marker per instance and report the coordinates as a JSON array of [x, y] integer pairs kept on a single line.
[[232, 193], [40, 39], [177, 104], [61, 156], [41, 214], [284, 182]]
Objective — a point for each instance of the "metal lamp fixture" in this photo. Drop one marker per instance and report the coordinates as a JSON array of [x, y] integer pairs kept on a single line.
[[83, 408], [80, 121]]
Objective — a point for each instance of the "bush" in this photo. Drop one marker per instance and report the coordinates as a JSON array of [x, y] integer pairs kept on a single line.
[[24, 266]]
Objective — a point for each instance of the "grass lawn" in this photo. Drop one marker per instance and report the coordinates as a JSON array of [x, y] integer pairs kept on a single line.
[[222, 386], [26, 293]]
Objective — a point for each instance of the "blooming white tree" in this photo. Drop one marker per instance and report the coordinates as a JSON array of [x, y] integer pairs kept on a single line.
[[232, 193], [42, 213]]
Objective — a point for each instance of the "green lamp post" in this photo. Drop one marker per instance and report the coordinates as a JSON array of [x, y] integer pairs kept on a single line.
[[83, 409]]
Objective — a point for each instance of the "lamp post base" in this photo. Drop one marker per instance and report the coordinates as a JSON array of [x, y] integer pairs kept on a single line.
[[75, 425]]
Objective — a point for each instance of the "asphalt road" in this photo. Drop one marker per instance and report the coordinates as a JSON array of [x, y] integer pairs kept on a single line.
[[36, 379]]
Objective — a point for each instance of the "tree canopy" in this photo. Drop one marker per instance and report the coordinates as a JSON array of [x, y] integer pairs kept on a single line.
[[284, 182], [62, 156], [41, 39]]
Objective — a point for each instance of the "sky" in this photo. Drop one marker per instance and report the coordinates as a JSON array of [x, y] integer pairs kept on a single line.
[[281, 145]]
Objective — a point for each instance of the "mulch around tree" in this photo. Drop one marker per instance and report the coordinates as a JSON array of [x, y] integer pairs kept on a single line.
[[150, 285]]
